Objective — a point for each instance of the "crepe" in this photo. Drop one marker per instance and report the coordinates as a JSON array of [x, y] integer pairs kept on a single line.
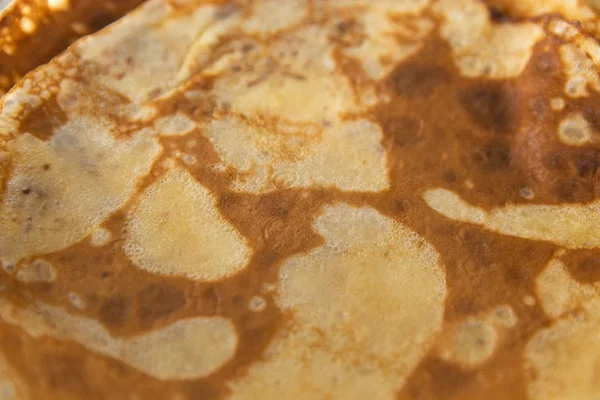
[[293, 199], [34, 31]]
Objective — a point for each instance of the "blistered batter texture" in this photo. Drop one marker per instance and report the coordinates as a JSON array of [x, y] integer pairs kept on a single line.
[[308, 199]]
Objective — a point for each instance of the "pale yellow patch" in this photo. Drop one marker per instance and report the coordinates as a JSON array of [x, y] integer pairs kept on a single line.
[[347, 156], [580, 70], [367, 306], [145, 52], [90, 174], [200, 55], [100, 237], [571, 226], [483, 48], [473, 341], [175, 228], [271, 16], [469, 344], [574, 130], [174, 125], [36, 271], [293, 80], [558, 292], [562, 29], [504, 316], [187, 349], [564, 358], [381, 50]]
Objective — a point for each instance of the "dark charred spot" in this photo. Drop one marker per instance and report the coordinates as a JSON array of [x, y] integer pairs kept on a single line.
[[46, 167], [414, 79], [158, 300], [404, 130], [26, 191], [113, 311], [493, 106], [495, 155]]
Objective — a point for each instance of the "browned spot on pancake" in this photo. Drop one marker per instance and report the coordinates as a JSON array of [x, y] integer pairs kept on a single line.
[[583, 265], [404, 130], [418, 79], [114, 311], [158, 300], [493, 105], [43, 121], [493, 156]]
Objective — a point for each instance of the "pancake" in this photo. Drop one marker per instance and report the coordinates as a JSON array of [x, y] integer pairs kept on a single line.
[[301, 199], [34, 31]]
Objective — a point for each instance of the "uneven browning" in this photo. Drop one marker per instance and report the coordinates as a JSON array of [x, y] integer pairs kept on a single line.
[[306, 199], [34, 31]]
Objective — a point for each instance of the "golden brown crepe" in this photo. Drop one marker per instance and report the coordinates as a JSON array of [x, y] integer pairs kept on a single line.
[[294, 199], [34, 31]]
